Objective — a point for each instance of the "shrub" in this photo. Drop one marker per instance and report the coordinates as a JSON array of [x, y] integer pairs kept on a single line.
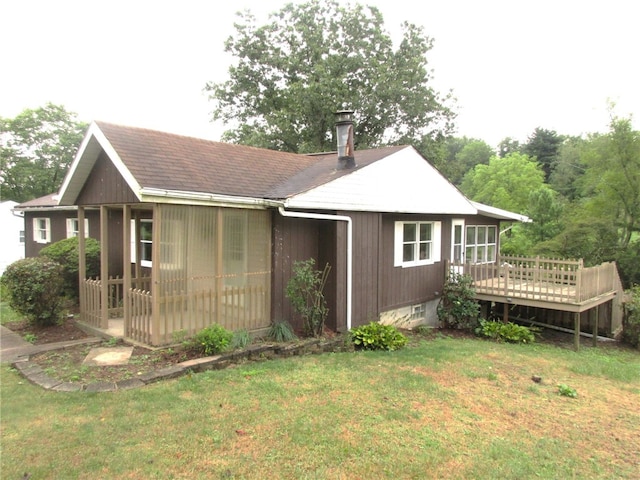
[[35, 288], [507, 332], [212, 340], [458, 307], [305, 291], [567, 391], [631, 318], [281, 331], [376, 336], [66, 253]]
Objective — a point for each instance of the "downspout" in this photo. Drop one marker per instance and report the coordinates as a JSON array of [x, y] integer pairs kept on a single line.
[[338, 218]]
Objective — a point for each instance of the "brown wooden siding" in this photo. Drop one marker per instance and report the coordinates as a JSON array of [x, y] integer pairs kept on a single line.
[[105, 185], [58, 221], [408, 286], [366, 258], [294, 239]]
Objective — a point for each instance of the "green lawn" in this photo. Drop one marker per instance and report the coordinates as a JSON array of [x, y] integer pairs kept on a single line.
[[449, 408]]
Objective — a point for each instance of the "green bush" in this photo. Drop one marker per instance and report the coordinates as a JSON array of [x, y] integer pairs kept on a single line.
[[35, 289], [631, 318], [305, 291], [458, 307], [376, 336], [281, 331], [507, 332], [212, 340], [66, 253]]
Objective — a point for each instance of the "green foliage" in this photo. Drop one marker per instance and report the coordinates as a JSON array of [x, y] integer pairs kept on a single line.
[[458, 307], [628, 260], [376, 336], [631, 319], [241, 339], [567, 391], [35, 287], [544, 146], [507, 332], [36, 150], [281, 331], [66, 253], [305, 291], [30, 337], [505, 182], [212, 340], [292, 73], [462, 155], [545, 211]]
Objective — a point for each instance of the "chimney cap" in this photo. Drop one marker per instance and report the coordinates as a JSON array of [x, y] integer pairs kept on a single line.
[[344, 116]]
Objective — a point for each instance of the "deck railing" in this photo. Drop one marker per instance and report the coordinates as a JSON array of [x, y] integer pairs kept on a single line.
[[550, 280], [91, 299]]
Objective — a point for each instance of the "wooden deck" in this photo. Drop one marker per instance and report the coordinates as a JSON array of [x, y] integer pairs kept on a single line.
[[562, 285]]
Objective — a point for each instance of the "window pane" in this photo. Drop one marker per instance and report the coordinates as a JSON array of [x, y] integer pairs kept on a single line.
[[482, 235], [491, 253], [457, 234], [409, 234], [408, 252], [146, 229], [146, 251], [492, 234], [471, 235], [469, 255], [425, 251], [425, 232], [482, 251]]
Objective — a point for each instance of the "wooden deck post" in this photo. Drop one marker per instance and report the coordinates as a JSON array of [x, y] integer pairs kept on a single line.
[[126, 267], [82, 262], [576, 331], [595, 327], [505, 313], [155, 277]]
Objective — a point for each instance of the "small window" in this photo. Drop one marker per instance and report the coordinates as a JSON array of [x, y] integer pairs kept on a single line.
[[146, 241], [42, 230], [418, 311], [21, 236], [481, 243], [73, 227], [416, 243]]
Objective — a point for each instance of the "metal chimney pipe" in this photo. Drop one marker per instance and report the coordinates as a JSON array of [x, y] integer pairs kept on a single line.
[[344, 131]]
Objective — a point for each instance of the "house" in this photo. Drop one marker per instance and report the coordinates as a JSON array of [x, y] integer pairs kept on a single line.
[[44, 222], [12, 239], [195, 232]]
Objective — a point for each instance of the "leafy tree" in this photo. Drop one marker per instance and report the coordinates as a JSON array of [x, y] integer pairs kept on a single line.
[[543, 145], [612, 178], [463, 154], [568, 169], [504, 182], [544, 211], [36, 149], [508, 145], [311, 59]]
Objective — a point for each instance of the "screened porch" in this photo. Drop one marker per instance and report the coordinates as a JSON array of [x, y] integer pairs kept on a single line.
[[205, 265]]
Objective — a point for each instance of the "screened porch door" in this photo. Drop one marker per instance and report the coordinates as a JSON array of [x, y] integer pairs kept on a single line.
[[457, 246]]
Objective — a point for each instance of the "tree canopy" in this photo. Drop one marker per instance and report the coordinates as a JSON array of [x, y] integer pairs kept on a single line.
[[36, 149], [311, 59]]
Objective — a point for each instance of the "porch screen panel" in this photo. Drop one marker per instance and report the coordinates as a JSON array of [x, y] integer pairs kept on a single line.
[[214, 268]]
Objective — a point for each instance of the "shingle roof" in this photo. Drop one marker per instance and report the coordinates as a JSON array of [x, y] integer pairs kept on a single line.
[[174, 162], [50, 200]]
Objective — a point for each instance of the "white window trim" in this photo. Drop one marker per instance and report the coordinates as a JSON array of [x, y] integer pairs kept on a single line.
[[37, 230], [474, 257], [134, 242], [436, 242], [72, 231]]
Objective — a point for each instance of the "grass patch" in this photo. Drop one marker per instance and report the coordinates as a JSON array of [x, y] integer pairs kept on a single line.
[[442, 408]]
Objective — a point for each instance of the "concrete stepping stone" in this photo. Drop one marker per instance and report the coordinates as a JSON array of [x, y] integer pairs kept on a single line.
[[101, 356]]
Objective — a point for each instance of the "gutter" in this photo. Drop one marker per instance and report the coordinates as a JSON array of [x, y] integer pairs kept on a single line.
[[337, 218], [158, 195]]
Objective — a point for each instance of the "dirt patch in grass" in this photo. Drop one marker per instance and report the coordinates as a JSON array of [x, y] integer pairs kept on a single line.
[[62, 332]]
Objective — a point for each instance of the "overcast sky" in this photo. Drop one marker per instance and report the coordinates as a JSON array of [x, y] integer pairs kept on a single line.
[[512, 65]]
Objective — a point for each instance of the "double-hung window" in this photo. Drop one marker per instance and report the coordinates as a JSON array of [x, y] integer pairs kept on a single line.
[[145, 236], [416, 243], [481, 244], [42, 230], [73, 227]]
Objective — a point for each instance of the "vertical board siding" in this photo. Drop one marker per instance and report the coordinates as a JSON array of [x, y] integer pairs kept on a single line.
[[294, 239], [406, 286], [105, 185], [365, 267]]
